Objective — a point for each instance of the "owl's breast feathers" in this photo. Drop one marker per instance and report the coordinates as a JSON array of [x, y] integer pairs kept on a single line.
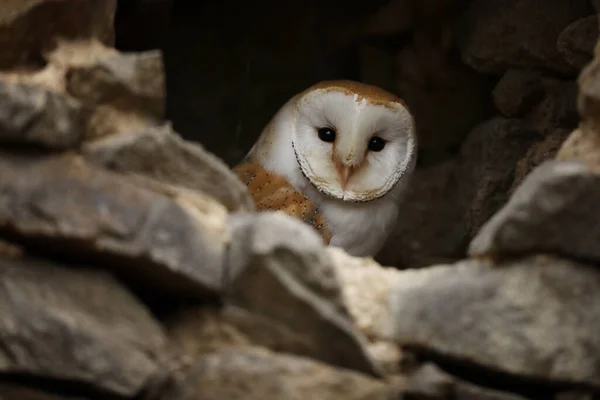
[[273, 192]]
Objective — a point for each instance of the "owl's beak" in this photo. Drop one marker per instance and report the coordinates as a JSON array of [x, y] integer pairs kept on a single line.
[[345, 172]]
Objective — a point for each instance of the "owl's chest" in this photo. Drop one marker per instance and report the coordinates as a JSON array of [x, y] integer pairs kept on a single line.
[[359, 228]]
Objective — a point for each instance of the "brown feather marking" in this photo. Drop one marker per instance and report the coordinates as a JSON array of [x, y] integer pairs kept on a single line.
[[272, 192]]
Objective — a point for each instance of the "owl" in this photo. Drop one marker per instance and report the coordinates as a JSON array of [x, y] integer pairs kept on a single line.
[[349, 150]]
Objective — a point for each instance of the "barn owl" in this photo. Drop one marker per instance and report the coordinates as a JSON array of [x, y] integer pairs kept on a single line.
[[348, 148]]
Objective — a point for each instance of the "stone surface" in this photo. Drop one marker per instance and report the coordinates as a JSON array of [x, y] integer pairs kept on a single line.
[[518, 91], [503, 34], [541, 151], [277, 267], [583, 145], [534, 317], [431, 383], [75, 324], [28, 28], [132, 81], [34, 115], [576, 42], [161, 154], [255, 374], [169, 244], [553, 210], [558, 109]]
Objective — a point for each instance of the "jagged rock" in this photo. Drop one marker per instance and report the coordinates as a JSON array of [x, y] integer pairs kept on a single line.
[[277, 267], [558, 109], [503, 34], [576, 42], [75, 324], [431, 383], [518, 91], [34, 115], [553, 210], [541, 151], [61, 202], [133, 81], [583, 145], [589, 93], [365, 288], [27, 32], [534, 318], [161, 154], [255, 374]]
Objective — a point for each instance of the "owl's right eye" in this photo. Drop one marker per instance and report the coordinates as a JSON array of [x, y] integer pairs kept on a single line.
[[326, 134]]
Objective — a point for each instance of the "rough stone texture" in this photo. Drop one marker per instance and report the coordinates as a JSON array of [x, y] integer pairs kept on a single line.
[[545, 149], [277, 267], [518, 91], [75, 324], [429, 382], [583, 145], [503, 34], [255, 374], [558, 109], [161, 154], [533, 317], [34, 115], [133, 81], [28, 28], [553, 211], [169, 244], [576, 42]]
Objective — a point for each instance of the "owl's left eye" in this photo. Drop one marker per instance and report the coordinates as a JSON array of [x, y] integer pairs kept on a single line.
[[376, 143], [326, 134]]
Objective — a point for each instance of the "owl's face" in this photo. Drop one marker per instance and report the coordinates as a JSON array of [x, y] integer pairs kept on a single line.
[[353, 142]]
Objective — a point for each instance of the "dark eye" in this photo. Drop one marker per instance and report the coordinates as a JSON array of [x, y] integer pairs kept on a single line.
[[376, 143], [326, 134]]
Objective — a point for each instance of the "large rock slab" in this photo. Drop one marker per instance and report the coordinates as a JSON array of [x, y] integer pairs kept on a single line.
[[503, 34], [255, 374], [534, 318], [554, 210], [33, 115], [61, 203], [28, 28], [75, 324], [161, 154], [278, 267]]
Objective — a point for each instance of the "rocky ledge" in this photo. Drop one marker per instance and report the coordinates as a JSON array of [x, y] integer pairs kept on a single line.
[[134, 267]]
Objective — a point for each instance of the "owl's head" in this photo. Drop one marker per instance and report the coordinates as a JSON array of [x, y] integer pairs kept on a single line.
[[353, 141]]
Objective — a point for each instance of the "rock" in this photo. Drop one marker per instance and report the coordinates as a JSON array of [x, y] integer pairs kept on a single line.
[[541, 151], [583, 145], [588, 103], [26, 31], [36, 116], [518, 91], [431, 383], [487, 167], [75, 324], [254, 374], [365, 289], [553, 211], [576, 43], [503, 34], [161, 154], [533, 318], [434, 204], [558, 109], [133, 81], [170, 245], [277, 267]]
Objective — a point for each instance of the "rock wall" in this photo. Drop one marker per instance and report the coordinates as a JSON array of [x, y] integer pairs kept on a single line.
[[133, 266]]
